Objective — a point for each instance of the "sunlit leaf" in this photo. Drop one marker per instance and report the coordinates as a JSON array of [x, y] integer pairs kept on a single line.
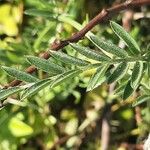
[[130, 42], [45, 65], [109, 47], [18, 128], [68, 59], [92, 54], [35, 88], [20, 75]]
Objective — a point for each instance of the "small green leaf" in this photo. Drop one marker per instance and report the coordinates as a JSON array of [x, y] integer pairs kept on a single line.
[[40, 13], [35, 88], [89, 53], [10, 91], [140, 100], [130, 42], [137, 74], [118, 73], [68, 59], [45, 65], [65, 77], [18, 128], [109, 47], [20, 75], [98, 78], [128, 90]]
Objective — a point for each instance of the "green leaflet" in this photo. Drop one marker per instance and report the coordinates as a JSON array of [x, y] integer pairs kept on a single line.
[[109, 47], [20, 75], [98, 78], [90, 53], [35, 88], [10, 91], [118, 73], [141, 99], [130, 42], [128, 90], [148, 68], [68, 59], [137, 74], [65, 77], [119, 90], [40, 13], [45, 65]]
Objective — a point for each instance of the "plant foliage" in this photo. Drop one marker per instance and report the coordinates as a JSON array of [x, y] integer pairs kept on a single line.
[[111, 62]]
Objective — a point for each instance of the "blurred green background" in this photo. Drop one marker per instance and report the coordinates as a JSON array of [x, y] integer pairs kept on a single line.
[[66, 117]]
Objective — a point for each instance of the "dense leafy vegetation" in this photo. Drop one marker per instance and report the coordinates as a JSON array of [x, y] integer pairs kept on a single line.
[[67, 95]]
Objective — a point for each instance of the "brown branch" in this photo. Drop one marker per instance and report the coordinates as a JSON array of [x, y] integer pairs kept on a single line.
[[105, 14]]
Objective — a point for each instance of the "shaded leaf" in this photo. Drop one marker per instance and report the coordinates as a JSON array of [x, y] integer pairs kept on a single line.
[[45, 65], [98, 78], [137, 74], [118, 73], [68, 59], [109, 47], [128, 90], [20, 75], [140, 100], [92, 54], [130, 42]]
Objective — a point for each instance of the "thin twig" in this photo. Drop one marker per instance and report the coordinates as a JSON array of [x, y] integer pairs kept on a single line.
[[104, 15]]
